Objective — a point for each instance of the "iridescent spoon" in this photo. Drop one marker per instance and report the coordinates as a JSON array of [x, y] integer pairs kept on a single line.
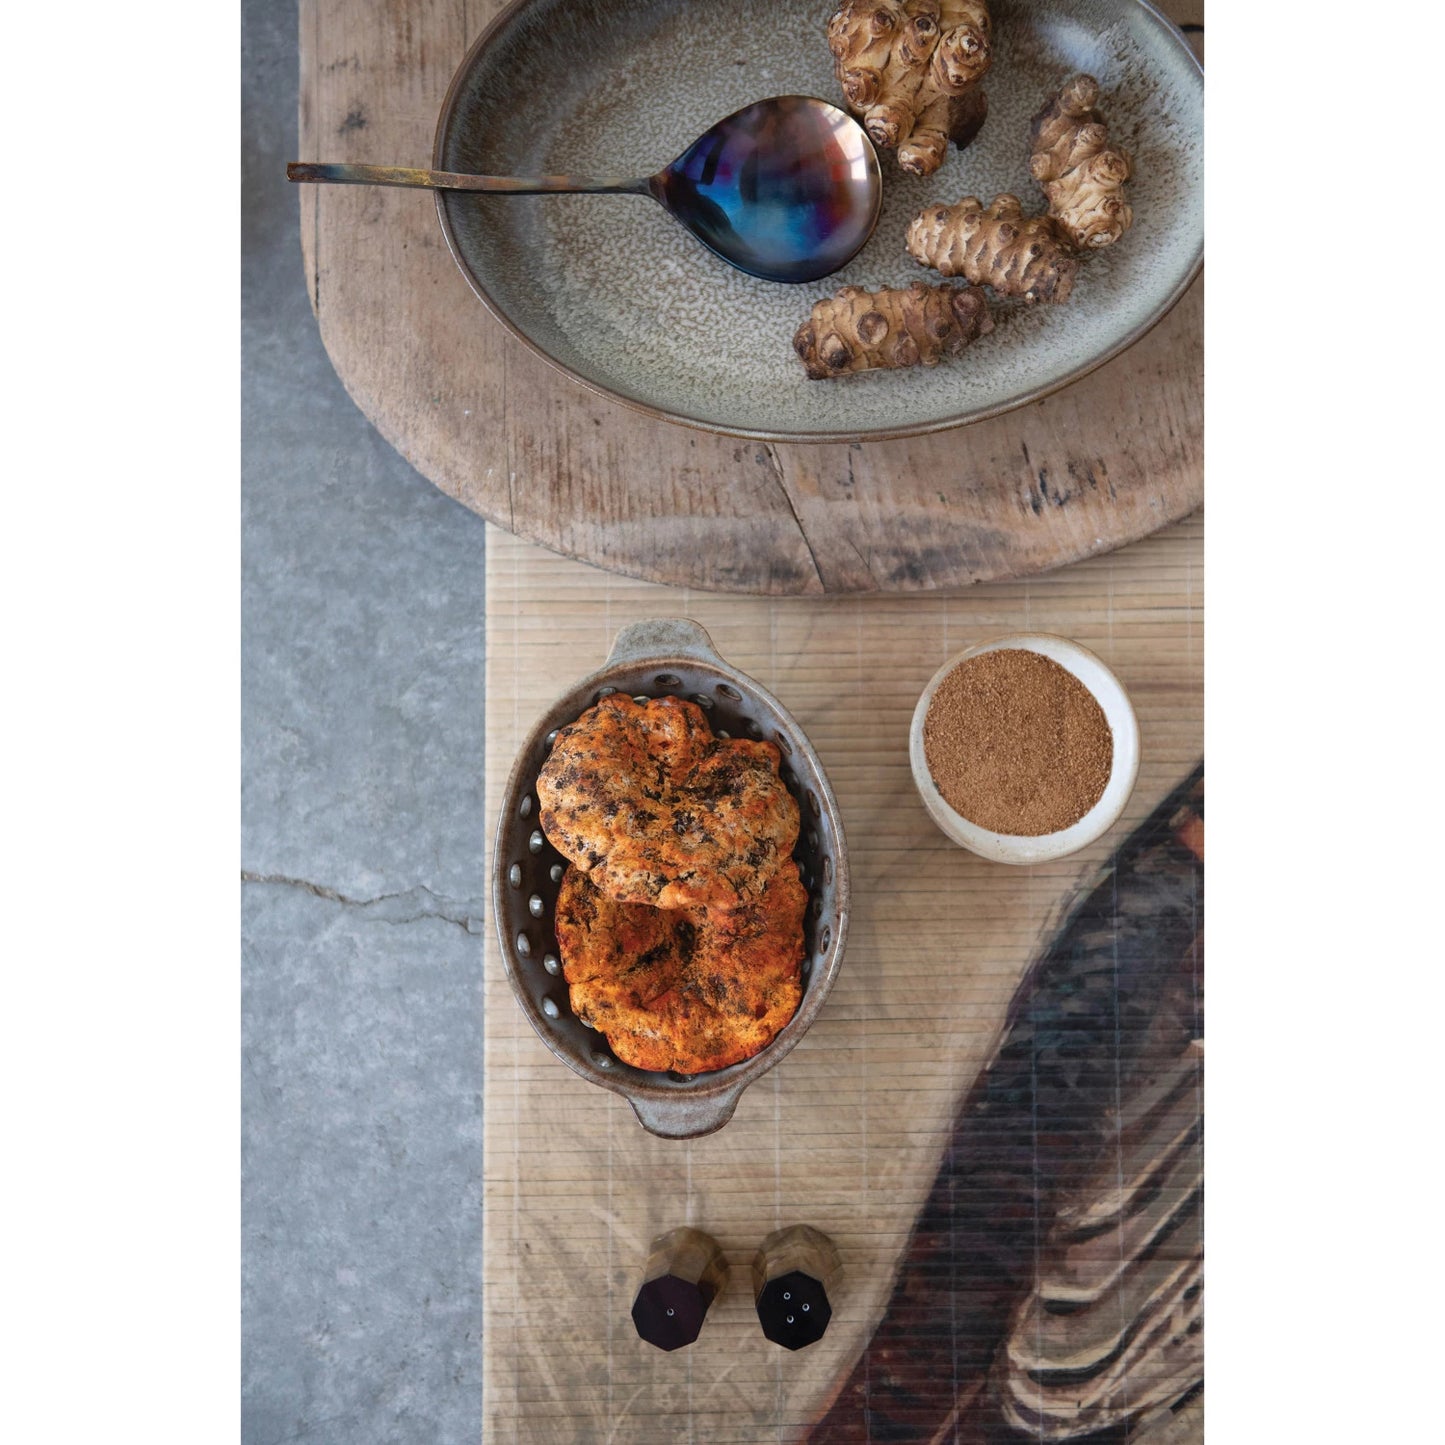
[[787, 189]]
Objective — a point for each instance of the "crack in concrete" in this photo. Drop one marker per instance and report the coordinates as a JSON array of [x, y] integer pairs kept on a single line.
[[449, 911]]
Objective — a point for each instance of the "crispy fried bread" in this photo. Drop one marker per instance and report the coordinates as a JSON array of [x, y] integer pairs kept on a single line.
[[683, 989], [654, 809]]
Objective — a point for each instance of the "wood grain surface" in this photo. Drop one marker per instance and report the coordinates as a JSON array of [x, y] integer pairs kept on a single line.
[[1103, 462], [845, 1134]]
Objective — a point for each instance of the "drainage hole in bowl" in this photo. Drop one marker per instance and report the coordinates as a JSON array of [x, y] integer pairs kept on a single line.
[[514, 875], [549, 1007], [551, 964], [703, 701], [641, 699], [524, 945], [555, 872], [754, 729], [782, 741], [720, 733], [605, 692], [524, 808], [603, 1061], [666, 679], [827, 866], [551, 738], [730, 692], [679, 1078], [535, 842], [535, 906], [818, 911], [813, 838], [814, 807], [826, 939]]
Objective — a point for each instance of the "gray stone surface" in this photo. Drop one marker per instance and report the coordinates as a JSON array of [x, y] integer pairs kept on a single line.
[[362, 659]]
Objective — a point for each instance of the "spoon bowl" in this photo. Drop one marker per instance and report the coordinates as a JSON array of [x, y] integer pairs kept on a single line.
[[788, 188]]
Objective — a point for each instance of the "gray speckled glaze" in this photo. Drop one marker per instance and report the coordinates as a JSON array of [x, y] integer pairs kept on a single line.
[[611, 289], [659, 657]]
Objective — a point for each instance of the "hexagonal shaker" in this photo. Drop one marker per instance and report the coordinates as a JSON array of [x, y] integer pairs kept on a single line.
[[684, 1273], [794, 1272]]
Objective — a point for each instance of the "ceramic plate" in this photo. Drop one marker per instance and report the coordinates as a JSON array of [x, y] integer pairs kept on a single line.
[[614, 292]]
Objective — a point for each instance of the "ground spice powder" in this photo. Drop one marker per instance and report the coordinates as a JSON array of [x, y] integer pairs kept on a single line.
[[1017, 744]]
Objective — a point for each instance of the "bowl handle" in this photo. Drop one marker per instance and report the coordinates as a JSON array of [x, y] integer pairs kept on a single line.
[[680, 1117], [658, 637]]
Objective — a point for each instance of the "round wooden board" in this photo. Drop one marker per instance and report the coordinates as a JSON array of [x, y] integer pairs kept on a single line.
[[1101, 463]]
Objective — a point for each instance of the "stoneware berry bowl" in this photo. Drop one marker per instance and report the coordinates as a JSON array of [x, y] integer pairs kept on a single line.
[[615, 294], [1107, 690], [658, 658]]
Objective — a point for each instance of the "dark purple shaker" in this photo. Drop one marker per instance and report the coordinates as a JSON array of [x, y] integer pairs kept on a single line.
[[793, 1272], [685, 1272]]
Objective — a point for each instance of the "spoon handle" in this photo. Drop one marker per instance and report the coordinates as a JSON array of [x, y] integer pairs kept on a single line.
[[342, 173]]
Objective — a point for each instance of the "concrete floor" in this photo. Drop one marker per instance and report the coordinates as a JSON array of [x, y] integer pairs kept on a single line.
[[362, 656]]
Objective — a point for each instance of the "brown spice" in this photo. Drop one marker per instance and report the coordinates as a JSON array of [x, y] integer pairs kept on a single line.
[[1017, 744]]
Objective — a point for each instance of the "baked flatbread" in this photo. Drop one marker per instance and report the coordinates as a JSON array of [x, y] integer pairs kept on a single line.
[[684, 989], [654, 809]]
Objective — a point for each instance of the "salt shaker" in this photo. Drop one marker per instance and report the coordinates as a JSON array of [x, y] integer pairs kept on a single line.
[[684, 1273]]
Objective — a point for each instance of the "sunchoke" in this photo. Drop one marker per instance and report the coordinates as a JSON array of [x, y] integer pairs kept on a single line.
[[858, 330], [997, 247], [910, 69], [1082, 175]]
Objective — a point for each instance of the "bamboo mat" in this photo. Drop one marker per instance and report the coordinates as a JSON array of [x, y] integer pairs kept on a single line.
[[846, 1133]]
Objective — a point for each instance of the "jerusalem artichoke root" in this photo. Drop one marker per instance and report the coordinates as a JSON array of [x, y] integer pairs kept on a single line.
[[910, 69], [997, 247], [858, 330], [1082, 175]]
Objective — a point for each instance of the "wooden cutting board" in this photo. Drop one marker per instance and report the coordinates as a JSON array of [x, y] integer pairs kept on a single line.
[[846, 1134], [1105, 461]]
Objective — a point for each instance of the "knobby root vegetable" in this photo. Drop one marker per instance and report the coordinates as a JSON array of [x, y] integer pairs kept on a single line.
[[858, 330], [910, 70], [1082, 175], [997, 247]]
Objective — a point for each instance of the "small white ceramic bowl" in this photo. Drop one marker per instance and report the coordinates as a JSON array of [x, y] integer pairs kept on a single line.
[[1012, 848]]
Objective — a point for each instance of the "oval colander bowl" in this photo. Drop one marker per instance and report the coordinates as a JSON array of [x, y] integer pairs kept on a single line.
[[657, 658]]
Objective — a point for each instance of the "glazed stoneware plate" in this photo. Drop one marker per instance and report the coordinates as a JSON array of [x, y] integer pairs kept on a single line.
[[615, 293]]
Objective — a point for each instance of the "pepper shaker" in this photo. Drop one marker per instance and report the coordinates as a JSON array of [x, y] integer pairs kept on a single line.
[[684, 1273], [793, 1272]]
